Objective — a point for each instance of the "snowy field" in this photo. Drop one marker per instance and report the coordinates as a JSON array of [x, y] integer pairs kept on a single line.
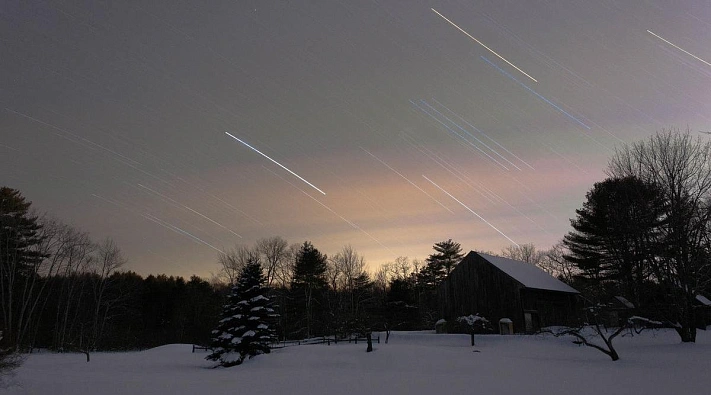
[[413, 363]]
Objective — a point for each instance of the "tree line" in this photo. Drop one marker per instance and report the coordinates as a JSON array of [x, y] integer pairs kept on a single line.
[[63, 291], [320, 295]]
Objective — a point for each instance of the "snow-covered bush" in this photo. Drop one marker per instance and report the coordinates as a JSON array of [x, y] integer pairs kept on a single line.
[[466, 324], [470, 323]]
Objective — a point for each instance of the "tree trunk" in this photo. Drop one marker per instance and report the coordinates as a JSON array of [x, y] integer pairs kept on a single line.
[[687, 324], [613, 354], [687, 334]]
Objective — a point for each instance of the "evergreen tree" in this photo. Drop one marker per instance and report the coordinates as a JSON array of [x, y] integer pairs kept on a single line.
[[446, 257], [309, 282], [19, 233], [438, 266], [616, 237], [20, 236], [246, 327], [401, 290]]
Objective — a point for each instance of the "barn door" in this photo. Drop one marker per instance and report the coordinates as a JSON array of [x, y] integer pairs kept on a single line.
[[531, 321]]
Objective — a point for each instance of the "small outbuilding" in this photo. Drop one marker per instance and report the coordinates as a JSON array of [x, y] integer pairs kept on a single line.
[[702, 306], [618, 310], [496, 287]]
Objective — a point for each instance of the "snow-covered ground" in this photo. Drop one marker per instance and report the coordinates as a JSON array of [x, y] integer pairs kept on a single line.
[[413, 363]]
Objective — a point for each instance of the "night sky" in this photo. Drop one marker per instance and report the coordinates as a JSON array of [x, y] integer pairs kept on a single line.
[[387, 125]]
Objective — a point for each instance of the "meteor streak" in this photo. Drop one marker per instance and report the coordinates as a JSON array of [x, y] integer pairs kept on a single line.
[[502, 71], [482, 44], [470, 210], [277, 163], [450, 168], [408, 180], [487, 136], [159, 221], [178, 230], [457, 134], [189, 209], [73, 137], [679, 48], [469, 134], [351, 223]]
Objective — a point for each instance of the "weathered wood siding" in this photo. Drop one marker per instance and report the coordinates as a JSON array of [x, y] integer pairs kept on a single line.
[[553, 308], [477, 287]]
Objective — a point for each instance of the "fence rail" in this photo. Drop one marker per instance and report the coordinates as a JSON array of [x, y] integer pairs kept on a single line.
[[314, 340], [323, 340]]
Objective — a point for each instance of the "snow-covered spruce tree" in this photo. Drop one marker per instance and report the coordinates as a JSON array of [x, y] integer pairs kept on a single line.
[[246, 328]]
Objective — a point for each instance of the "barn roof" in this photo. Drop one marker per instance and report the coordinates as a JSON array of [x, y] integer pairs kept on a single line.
[[624, 301], [703, 300], [528, 275]]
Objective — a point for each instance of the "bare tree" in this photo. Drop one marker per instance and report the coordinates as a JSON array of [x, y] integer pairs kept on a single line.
[[284, 272], [555, 264], [401, 268], [380, 280], [75, 252], [333, 274], [587, 333], [108, 260], [26, 282], [417, 264], [351, 267], [233, 261], [273, 251], [681, 166], [524, 253], [350, 264]]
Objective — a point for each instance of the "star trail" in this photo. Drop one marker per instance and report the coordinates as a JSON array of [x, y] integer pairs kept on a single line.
[[389, 126]]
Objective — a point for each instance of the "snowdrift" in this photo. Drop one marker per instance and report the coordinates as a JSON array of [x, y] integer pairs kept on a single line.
[[412, 363]]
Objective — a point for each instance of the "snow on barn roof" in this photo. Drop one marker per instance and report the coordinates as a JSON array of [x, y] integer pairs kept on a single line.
[[703, 300], [624, 301], [528, 275]]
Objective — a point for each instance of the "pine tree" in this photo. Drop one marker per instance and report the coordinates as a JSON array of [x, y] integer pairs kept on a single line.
[[309, 282], [446, 257], [19, 233], [20, 236], [616, 237], [247, 325]]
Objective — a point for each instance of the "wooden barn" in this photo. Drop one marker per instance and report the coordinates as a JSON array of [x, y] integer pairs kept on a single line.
[[498, 288]]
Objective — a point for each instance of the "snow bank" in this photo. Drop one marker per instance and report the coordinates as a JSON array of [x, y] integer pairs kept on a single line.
[[412, 363]]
